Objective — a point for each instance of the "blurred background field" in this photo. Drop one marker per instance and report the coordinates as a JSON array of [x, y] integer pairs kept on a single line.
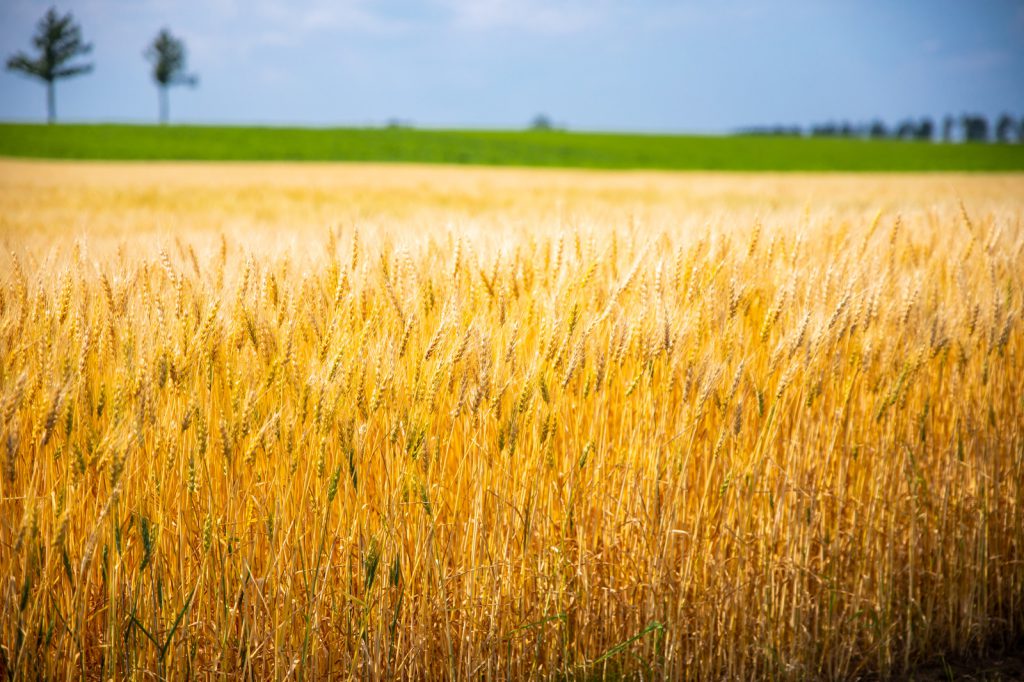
[[59, 201], [551, 148]]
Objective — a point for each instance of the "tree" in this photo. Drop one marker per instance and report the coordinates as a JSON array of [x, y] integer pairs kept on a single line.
[[907, 130], [925, 129], [825, 130], [59, 40], [947, 128], [541, 122], [168, 56], [975, 128], [1005, 128]]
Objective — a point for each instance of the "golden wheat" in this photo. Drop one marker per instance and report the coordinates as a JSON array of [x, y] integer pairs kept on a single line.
[[497, 424]]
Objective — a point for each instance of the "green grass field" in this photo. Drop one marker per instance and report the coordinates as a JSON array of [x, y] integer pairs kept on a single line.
[[500, 148]]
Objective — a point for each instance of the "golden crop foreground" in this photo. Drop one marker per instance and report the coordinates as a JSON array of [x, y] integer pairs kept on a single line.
[[500, 424]]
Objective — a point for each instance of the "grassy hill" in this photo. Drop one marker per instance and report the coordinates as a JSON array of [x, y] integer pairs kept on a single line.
[[500, 148]]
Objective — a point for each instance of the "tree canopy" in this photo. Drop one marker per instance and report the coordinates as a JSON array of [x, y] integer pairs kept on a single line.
[[59, 41], [167, 53]]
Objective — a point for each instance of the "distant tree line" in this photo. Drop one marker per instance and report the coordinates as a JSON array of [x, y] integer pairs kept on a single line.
[[58, 41], [966, 128], [543, 122]]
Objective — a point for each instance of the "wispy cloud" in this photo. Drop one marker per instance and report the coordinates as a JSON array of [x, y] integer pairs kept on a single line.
[[534, 16], [983, 59], [701, 61], [324, 15], [231, 24], [577, 16]]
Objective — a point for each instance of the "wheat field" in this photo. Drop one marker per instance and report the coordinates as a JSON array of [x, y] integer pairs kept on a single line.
[[326, 421]]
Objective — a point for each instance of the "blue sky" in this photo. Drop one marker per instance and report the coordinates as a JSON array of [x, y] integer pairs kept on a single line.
[[641, 65]]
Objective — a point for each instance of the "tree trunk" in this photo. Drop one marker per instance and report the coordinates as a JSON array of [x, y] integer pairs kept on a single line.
[[163, 105], [51, 103]]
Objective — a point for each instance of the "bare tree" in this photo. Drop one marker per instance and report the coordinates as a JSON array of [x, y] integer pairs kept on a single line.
[[59, 40], [168, 56]]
